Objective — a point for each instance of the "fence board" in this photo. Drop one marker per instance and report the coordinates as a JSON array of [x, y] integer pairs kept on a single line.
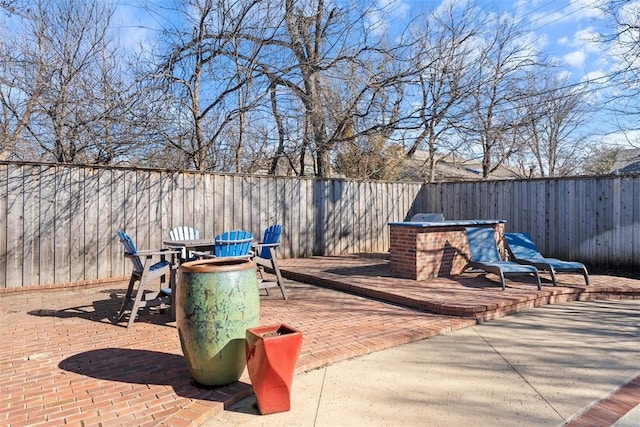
[[374, 203], [175, 200], [85, 243], [47, 224], [103, 250], [118, 208], [142, 209], [550, 215], [31, 224], [372, 208], [635, 243], [624, 230], [540, 211], [346, 222], [260, 204], [299, 240], [282, 215], [363, 217], [568, 219], [206, 224], [4, 198], [63, 223], [196, 216], [75, 223], [15, 237], [329, 212], [254, 209], [245, 213]]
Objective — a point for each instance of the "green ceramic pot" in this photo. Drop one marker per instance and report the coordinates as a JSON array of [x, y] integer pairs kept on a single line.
[[216, 301]]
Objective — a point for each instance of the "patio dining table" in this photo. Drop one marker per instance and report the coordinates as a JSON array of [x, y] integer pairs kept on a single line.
[[201, 245], [192, 245]]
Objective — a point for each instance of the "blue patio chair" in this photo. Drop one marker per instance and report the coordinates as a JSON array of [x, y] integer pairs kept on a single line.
[[145, 271], [184, 233], [236, 243], [265, 257], [485, 256], [524, 251]]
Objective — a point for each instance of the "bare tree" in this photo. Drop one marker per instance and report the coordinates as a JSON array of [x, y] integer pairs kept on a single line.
[[622, 40], [503, 59], [365, 144], [207, 71], [601, 160], [370, 157], [63, 96], [323, 50], [12, 6], [553, 110], [443, 62], [22, 82]]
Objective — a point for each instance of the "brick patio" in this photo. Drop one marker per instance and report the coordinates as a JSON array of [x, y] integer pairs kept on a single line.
[[63, 362]]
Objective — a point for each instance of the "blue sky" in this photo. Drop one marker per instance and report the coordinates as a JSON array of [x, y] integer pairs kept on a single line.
[[564, 30]]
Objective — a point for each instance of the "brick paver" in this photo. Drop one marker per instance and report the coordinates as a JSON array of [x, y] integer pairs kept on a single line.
[[62, 361], [611, 408]]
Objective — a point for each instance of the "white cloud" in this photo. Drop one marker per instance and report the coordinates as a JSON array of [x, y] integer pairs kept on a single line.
[[586, 8], [594, 86], [134, 24], [542, 19], [596, 77], [629, 12], [575, 58], [624, 139], [376, 24], [381, 15], [533, 43], [587, 39], [396, 8], [576, 10], [618, 52]]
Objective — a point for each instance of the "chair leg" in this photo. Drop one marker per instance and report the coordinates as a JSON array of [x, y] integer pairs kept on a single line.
[[538, 280], [136, 305], [260, 275], [502, 279], [173, 284], [276, 269], [553, 276], [127, 297], [586, 275]]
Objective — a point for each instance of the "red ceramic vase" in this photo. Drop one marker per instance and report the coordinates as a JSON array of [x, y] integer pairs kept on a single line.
[[272, 354]]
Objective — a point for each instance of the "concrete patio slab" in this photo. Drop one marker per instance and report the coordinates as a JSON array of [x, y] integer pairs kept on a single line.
[[483, 375]]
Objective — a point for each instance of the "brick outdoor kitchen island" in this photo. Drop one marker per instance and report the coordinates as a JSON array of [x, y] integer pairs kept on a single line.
[[424, 250]]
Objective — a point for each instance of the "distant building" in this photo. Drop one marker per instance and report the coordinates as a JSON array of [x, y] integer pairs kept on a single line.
[[452, 168], [627, 161]]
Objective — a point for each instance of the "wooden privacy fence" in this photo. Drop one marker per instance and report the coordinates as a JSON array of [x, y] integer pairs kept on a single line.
[[58, 223]]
